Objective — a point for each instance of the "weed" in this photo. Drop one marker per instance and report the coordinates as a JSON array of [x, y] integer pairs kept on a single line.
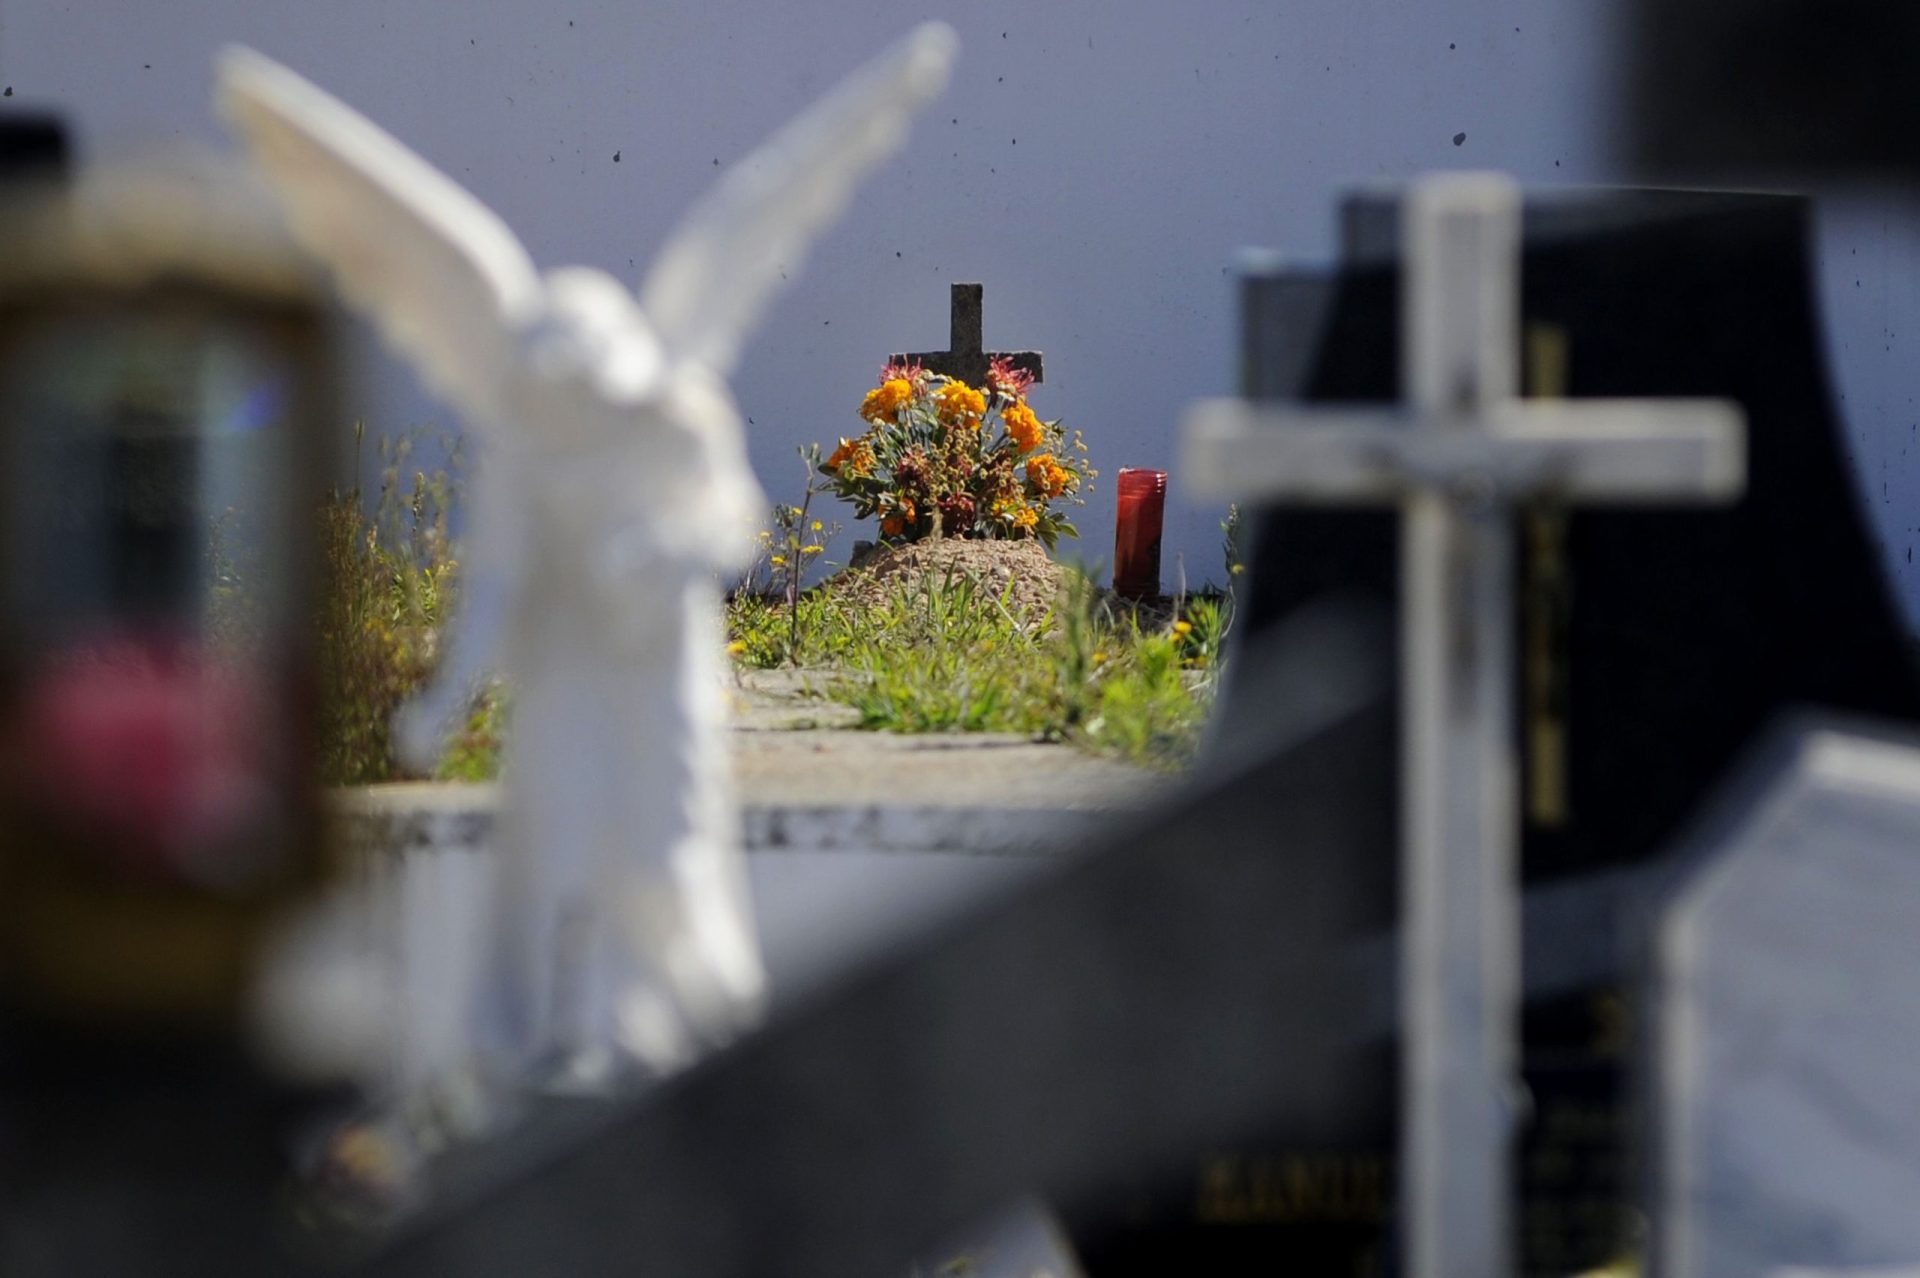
[[387, 582]]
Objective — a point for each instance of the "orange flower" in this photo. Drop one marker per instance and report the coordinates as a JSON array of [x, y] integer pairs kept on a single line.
[[1025, 518], [893, 526], [859, 463], [1023, 428], [960, 404], [883, 401], [1048, 476], [840, 455]]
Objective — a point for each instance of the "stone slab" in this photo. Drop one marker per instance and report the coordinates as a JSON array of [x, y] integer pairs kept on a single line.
[[795, 749], [856, 841], [1788, 1020]]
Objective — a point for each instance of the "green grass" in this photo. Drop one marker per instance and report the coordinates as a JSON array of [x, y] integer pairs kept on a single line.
[[945, 655]]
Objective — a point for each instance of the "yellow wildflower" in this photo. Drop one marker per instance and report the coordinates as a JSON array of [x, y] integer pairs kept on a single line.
[[737, 647], [1182, 628], [1023, 428], [883, 402], [811, 550], [960, 404], [779, 561], [1025, 517], [1099, 657], [816, 525]]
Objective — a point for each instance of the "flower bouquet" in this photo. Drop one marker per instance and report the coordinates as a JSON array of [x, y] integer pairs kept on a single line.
[[941, 458]]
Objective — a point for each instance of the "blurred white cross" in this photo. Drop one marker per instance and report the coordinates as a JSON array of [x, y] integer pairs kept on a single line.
[[1459, 459]]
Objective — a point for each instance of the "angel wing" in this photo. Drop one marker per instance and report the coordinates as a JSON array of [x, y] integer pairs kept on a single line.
[[721, 265], [439, 274]]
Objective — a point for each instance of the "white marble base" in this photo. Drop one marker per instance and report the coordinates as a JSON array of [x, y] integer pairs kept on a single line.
[[832, 886]]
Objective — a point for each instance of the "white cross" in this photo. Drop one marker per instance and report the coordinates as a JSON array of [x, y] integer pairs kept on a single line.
[[1458, 459]]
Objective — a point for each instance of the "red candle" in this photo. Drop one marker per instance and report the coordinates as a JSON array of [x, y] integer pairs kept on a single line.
[[1136, 539]]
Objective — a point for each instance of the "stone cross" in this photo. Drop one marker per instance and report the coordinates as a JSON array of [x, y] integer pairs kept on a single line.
[[964, 359], [1458, 459]]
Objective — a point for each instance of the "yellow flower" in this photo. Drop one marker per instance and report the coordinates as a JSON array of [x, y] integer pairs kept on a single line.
[[1099, 658], [811, 550], [1025, 517], [1183, 629], [816, 525], [1023, 428], [779, 561], [737, 647], [960, 404], [883, 401]]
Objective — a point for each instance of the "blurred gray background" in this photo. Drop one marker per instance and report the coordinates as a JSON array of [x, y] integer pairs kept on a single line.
[[1096, 166]]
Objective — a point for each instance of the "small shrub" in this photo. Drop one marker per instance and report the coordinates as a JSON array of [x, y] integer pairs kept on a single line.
[[387, 583], [757, 628]]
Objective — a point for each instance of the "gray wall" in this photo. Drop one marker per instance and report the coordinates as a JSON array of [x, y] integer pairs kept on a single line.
[[1095, 165]]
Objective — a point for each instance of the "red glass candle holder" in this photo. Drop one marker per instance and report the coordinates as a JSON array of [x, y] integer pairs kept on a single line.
[[1136, 538]]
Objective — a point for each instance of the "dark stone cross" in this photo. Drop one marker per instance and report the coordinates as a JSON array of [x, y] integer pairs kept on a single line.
[[964, 359]]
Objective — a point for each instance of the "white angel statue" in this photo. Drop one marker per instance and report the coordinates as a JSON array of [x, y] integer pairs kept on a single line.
[[613, 491]]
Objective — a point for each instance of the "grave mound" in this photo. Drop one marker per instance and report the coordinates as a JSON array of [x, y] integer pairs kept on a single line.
[[877, 572]]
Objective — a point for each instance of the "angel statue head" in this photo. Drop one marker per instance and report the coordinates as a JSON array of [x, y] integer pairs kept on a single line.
[[612, 489]]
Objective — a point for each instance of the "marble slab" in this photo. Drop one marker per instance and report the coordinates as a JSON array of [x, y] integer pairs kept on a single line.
[[1787, 1021]]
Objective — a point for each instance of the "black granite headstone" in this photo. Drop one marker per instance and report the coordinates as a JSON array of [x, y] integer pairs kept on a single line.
[[1202, 975], [1745, 86], [32, 146], [1655, 644], [1685, 629]]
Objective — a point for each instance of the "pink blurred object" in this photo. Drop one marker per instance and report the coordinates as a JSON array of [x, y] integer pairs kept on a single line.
[[1136, 538], [153, 750]]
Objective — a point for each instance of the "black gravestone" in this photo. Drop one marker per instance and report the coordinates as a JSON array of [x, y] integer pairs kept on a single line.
[[1185, 1043], [1200, 976], [32, 147], [1654, 644], [1746, 86], [1683, 629]]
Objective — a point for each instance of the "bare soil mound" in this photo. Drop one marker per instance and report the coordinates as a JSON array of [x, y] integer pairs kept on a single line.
[[1036, 581]]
